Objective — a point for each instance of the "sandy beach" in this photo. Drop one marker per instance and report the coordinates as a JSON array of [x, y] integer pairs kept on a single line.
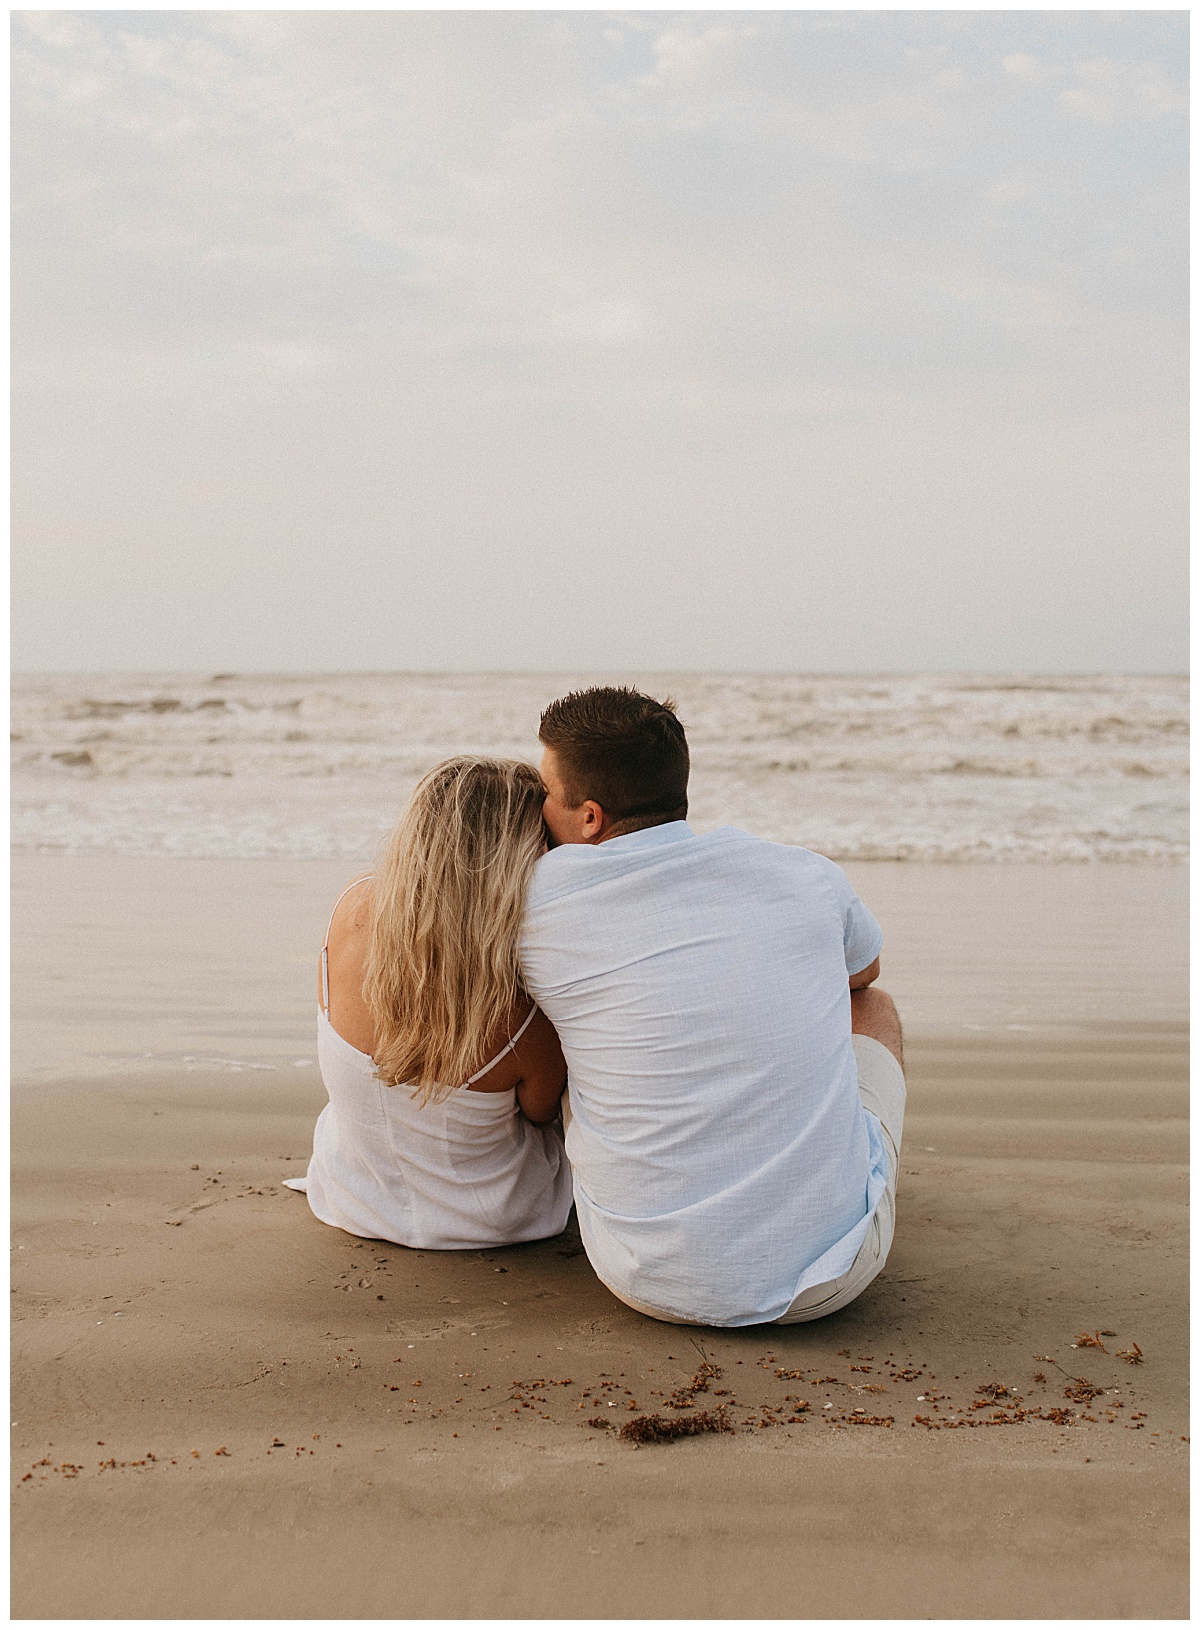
[[225, 1409]]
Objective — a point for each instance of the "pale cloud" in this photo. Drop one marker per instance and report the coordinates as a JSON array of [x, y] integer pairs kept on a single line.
[[603, 322], [1012, 190], [1109, 91], [296, 359], [686, 56], [55, 28], [1015, 306], [1022, 66]]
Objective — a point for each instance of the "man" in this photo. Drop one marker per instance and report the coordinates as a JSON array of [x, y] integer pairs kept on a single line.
[[736, 1088]]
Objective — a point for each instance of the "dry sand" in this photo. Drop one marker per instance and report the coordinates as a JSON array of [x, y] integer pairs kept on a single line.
[[225, 1409]]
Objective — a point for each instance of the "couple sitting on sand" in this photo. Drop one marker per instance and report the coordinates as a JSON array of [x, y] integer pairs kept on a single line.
[[735, 1091]]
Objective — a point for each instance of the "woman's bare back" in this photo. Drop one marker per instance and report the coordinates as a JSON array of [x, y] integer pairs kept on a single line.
[[535, 1066]]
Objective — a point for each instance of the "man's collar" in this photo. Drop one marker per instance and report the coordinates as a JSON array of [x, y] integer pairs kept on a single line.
[[650, 837]]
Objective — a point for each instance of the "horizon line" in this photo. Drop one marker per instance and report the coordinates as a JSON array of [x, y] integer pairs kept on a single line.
[[214, 674]]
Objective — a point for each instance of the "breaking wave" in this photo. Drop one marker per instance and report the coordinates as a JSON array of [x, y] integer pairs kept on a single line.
[[923, 767]]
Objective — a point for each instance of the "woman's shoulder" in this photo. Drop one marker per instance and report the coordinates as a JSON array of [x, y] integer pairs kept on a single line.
[[353, 904], [363, 877], [500, 1050], [515, 1022]]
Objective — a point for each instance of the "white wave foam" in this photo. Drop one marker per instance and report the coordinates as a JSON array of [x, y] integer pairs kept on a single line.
[[858, 766]]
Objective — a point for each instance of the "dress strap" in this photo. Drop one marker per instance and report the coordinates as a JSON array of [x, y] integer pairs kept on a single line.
[[491, 1065], [325, 941]]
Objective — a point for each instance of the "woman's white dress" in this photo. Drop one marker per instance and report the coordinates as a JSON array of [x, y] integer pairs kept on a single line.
[[467, 1171]]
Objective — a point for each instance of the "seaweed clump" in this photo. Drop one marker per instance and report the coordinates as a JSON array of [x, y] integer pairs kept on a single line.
[[666, 1428]]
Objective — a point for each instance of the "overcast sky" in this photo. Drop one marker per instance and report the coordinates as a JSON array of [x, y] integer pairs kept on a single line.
[[803, 340]]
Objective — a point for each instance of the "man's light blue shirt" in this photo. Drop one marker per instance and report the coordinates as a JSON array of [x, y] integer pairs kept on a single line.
[[723, 1161]]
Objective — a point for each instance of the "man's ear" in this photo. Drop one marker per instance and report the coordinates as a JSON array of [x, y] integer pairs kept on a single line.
[[594, 821]]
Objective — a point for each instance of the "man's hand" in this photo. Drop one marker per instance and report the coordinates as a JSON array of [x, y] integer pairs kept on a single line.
[[860, 981]]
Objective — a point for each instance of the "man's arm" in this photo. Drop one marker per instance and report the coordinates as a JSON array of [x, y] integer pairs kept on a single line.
[[868, 976]]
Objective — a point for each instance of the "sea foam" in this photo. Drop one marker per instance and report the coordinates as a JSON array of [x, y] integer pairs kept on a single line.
[[917, 766]]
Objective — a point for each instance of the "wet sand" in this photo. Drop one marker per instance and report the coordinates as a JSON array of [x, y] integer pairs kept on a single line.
[[227, 1410]]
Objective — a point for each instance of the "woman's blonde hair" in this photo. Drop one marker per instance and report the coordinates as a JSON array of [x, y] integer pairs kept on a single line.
[[441, 976]]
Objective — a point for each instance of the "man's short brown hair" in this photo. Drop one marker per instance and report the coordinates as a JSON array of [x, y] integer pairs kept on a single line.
[[622, 749]]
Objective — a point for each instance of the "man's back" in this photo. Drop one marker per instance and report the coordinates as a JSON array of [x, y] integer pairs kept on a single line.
[[723, 1160]]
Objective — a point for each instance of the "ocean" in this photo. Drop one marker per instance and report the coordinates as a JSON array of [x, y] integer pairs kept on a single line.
[[859, 766]]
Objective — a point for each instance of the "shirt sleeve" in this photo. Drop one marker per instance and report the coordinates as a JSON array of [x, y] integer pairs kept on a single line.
[[862, 936]]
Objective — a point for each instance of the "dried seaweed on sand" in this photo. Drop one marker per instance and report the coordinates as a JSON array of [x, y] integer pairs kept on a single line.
[[666, 1428], [685, 1397], [1082, 1392]]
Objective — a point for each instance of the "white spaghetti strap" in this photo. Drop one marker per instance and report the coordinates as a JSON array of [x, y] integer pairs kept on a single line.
[[325, 941], [491, 1065]]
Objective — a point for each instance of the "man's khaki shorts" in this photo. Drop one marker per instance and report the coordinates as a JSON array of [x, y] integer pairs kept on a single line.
[[882, 1090]]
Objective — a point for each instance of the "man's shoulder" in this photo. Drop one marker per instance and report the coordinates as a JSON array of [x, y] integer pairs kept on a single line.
[[767, 850], [573, 867]]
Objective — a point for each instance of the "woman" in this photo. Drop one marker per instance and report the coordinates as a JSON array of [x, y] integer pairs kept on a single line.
[[444, 1080]]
